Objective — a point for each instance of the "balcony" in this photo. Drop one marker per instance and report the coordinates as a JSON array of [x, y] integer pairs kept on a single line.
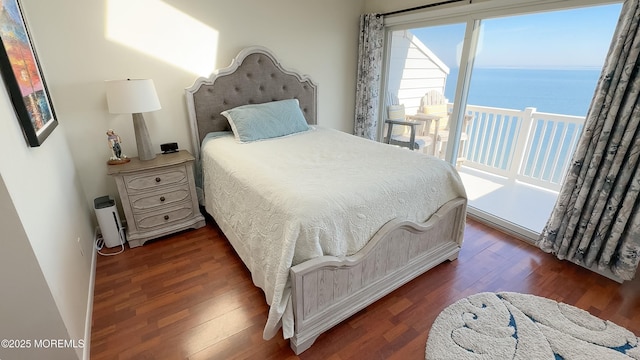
[[515, 161]]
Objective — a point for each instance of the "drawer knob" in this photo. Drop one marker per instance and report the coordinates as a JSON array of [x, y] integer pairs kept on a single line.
[[162, 198], [158, 179], [166, 217]]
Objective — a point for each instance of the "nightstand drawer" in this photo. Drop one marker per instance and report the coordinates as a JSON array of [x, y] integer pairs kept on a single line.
[[165, 197], [155, 179], [164, 217]]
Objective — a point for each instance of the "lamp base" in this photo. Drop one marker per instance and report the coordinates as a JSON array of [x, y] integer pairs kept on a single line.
[[143, 142]]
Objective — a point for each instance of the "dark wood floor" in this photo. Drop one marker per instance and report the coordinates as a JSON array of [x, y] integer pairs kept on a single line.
[[189, 296]]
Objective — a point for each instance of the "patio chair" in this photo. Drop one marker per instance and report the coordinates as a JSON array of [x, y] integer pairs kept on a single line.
[[405, 132], [414, 140], [434, 106]]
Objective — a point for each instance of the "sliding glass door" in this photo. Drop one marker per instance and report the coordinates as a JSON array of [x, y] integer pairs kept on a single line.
[[517, 89], [422, 73]]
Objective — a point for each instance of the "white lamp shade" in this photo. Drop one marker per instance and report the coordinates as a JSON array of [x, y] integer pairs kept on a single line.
[[132, 96]]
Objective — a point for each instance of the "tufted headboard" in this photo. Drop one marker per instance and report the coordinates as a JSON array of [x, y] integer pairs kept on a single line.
[[254, 77]]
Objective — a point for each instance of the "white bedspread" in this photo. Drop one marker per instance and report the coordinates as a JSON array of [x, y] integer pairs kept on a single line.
[[322, 192]]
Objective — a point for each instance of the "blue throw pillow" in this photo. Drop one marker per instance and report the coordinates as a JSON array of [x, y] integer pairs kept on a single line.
[[264, 121]]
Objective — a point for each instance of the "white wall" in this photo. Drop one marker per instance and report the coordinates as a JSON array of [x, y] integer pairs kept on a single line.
[[46, 196], [28, 310], [92, 41]]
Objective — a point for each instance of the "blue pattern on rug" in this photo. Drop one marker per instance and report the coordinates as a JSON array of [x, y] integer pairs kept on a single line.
[[624, 348]]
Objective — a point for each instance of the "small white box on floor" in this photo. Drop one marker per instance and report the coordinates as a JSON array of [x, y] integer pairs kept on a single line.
[[109, 221]]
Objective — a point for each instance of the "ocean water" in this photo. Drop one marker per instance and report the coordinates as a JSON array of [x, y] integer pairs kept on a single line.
[[567, 92]]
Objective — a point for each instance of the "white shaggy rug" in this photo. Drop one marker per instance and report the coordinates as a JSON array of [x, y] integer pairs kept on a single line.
[[520, 326]]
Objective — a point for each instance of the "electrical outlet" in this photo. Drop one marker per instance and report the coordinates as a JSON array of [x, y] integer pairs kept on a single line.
[[80, 246]]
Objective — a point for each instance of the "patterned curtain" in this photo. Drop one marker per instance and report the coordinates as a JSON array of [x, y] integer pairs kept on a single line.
[[596, 219], [370, 50]]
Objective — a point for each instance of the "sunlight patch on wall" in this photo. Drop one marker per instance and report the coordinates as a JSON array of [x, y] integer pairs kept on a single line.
[[159, 30]]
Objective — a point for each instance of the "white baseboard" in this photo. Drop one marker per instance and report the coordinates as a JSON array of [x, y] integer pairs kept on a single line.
[[89, 316], [505, 226]]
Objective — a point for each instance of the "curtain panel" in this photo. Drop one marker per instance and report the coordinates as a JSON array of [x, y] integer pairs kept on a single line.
[[370, 52], [596, 219]]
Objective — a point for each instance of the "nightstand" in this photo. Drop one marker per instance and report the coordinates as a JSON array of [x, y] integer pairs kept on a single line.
[[158, 196]]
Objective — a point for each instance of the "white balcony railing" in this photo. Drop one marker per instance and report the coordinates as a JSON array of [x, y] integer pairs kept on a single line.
[[524, 145]]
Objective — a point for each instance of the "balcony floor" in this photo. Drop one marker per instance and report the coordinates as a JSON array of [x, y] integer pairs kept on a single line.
[[525, 205]]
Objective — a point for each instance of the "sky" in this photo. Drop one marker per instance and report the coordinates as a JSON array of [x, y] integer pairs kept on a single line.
[[577, 38]]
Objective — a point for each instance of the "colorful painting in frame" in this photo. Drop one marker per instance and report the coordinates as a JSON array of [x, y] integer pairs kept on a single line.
[[23, 77]]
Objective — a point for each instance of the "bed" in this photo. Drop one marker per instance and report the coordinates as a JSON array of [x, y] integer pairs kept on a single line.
[[326, 222]]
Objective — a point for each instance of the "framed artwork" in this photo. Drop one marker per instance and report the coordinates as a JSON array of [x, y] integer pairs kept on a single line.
[[23, 77]]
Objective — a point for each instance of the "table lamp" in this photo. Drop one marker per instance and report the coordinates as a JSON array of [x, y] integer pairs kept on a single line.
[[135, 96]]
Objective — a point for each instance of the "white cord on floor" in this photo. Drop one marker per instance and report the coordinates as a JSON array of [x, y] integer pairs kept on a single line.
[[100, 244]]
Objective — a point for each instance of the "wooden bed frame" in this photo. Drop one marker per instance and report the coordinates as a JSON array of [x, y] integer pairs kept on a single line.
[[325, 290]]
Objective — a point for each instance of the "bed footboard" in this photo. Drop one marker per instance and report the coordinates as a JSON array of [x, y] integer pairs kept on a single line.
[[328, 290]]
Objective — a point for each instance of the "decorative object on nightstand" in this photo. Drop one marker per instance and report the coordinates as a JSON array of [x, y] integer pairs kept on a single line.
[[158, 196], [135, 96], [115, 144]]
